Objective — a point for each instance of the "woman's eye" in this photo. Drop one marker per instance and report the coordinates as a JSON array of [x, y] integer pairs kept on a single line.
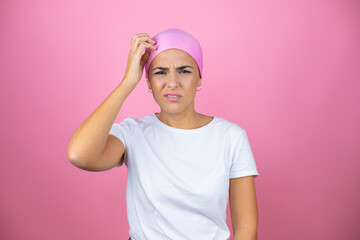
[[182, 71]]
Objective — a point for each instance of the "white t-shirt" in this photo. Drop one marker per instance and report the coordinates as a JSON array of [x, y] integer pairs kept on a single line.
[[178, 179]]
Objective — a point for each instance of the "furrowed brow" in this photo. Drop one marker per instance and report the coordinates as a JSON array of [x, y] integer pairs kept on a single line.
[[182, 67]]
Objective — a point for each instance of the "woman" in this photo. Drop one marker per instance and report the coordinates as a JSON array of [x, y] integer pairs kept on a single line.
[[182, 165]]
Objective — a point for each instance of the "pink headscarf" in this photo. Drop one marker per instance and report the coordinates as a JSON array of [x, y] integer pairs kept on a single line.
[[175, 38]]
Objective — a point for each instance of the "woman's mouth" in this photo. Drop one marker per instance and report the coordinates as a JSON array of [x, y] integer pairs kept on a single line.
[[173, 97]]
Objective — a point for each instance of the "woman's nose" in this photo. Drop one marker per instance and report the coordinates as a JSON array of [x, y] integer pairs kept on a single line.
[[172, 80]]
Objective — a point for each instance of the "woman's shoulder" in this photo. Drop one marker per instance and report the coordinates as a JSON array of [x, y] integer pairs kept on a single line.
[[133, 122], [137, 120], [229, 126]]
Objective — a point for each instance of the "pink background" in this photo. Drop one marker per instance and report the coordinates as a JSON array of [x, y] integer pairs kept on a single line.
[[286, 71]]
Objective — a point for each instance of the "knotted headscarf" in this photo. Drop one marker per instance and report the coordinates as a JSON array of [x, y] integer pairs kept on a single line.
[[179, 39]]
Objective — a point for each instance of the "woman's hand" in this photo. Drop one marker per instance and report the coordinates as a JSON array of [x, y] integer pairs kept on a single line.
[[137, 60]]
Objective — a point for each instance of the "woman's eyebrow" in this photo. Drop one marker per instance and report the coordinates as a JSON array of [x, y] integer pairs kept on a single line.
[[182, 67]]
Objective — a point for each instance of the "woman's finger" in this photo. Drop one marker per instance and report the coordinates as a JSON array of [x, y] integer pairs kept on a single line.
[[142, 39], [144, 45]]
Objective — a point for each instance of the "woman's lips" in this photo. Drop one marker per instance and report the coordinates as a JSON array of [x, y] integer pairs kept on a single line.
[[173, 99]]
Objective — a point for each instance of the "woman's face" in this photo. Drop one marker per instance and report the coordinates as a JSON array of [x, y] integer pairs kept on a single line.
[[174, 71]]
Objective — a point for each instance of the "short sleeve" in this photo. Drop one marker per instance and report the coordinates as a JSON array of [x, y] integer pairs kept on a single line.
[[123, 131], [242, 159]]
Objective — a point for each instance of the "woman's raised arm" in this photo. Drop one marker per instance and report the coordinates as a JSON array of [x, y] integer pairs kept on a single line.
[[90, 139]]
